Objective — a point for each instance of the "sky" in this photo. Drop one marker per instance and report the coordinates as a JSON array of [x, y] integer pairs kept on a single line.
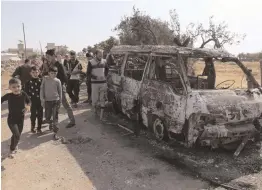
[[82, 23]]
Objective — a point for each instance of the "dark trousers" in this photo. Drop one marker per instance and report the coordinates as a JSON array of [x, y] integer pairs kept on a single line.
[[36, 112], [16, 126], [51, 111], [73, 88], [89, 89]]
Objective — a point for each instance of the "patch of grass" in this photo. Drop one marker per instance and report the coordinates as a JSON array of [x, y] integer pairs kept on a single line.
[[230, 71]]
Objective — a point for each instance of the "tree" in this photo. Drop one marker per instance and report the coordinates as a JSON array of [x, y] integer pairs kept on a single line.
[[218, 34], [107, 44], [141, 29], [84, 50], [104, 45]]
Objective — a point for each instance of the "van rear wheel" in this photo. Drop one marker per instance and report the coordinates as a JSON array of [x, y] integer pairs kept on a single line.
[[160, 130]]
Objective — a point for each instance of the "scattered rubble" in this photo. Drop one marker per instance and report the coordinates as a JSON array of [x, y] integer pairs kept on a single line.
[[9, 66]]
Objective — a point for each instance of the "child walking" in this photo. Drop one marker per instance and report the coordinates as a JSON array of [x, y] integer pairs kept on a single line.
[[18, 105], [51, 97], [32, 88]]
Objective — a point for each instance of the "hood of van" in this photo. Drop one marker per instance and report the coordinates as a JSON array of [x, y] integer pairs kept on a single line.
[[233, 105]]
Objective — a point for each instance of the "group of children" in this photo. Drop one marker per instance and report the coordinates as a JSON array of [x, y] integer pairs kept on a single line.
[[38, 93]]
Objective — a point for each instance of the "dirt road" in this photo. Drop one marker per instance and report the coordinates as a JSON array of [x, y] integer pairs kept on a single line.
[[97, 156]]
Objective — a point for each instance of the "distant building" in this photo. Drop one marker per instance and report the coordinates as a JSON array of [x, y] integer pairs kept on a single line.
[[57, 48], [20, 50]]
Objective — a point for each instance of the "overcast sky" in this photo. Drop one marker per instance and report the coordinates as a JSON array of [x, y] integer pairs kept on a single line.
[[79, 24]]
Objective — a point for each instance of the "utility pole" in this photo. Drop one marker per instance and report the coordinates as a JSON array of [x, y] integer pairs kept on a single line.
[[24, 39], [41, 48], [260, 72]]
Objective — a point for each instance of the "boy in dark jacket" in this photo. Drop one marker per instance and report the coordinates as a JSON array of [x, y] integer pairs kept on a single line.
[[17, 101], [32, 88]]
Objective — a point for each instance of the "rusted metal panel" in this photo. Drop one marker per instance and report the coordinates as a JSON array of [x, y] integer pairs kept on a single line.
[[214, 117], [129, 94], [195, 52], [159, 99], [231, 112]]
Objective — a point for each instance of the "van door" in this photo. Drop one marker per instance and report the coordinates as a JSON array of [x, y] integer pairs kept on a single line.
[[131, 81], [116, 66], [163, 93]]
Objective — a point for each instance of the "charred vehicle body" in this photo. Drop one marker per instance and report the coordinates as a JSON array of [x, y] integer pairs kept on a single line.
[[152, 84]]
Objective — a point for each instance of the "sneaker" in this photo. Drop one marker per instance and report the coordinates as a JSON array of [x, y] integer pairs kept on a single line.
[[56, 137], [33, 130], [39, 131], [51, 127], [70, 125], [16, 149], [11, 154], [74, 105]]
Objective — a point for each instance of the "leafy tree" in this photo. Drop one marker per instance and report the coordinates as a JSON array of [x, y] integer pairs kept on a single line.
[[84, 50], [104, 45], [141, 29]]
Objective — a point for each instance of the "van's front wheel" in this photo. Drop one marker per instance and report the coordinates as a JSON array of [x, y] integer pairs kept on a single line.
[[159, 130]]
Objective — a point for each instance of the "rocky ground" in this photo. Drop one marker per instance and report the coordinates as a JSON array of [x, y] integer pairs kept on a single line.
[[97, 156], [105, 156]]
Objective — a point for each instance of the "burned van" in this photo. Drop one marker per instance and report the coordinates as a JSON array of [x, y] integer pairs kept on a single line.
[[156, 82]]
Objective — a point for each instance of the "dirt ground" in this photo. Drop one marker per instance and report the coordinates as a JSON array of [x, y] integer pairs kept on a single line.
[[104, 156], [97, 156]]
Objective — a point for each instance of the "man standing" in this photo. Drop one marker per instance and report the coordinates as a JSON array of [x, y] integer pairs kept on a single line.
[[89, 57], [59, 58], [97, 71], [23, 73], [74, 69], [65, 63], [51, 58]]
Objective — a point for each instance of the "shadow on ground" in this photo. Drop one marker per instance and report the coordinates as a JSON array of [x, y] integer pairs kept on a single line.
[[216, 166]]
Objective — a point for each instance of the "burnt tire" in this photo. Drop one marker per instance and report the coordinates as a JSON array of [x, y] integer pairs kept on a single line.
[[159, 129]]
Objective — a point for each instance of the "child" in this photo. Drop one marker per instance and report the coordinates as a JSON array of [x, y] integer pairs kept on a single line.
[[51, 97], [17, 101], [32, 88]]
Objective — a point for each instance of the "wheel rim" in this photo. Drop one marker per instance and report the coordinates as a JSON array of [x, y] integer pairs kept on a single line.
[[159, 129]]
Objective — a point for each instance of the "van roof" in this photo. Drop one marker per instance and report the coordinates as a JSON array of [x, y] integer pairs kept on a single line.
[[167, 49]]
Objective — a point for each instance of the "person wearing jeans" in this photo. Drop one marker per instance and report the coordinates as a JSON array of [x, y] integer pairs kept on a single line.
[[61, 75], [52, 108], [51, 97], [97, 71], [74, 68], [89, 56]]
